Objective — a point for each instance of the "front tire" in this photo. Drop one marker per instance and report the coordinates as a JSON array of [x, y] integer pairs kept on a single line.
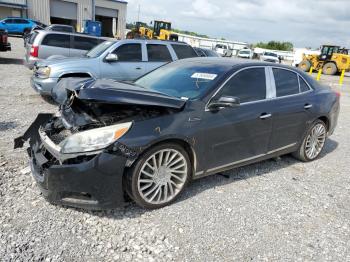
[[305, 65], [329, 69], [159, 176], [313, 142]]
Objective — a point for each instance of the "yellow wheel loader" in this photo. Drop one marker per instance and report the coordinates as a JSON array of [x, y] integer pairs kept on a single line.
[[331, 61], [161, 31]]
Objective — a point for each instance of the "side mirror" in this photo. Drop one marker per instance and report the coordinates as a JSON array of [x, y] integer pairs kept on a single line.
[[110, 58], [224, 101]]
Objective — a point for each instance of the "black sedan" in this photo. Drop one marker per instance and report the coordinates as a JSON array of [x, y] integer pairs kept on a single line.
[[185, 120]]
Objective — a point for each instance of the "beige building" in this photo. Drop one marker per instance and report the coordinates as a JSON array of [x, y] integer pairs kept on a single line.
[[111, 13]]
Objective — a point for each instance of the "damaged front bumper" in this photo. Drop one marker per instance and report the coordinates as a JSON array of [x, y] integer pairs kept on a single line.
[[91, 181]]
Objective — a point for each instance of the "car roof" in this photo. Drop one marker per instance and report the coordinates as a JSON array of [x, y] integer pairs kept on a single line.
[[47, 32], [152, 41], [60, 25], [233, 62]]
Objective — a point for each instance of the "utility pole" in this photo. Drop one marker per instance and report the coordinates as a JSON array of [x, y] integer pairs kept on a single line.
[[93, 10]]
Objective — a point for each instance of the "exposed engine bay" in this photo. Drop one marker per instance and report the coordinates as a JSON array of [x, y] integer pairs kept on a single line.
[[79, 115]]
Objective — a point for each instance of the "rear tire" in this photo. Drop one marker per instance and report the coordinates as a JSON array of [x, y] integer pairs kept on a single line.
[[329, 69], [159, 176], [313, 142], [305, 65]]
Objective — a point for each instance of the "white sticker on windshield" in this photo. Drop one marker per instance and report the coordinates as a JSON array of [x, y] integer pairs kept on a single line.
[[204, 76]]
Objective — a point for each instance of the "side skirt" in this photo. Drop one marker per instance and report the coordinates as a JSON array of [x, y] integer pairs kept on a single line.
[[271, 154]]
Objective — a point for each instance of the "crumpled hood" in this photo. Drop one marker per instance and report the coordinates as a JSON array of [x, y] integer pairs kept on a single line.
[[112, 92]]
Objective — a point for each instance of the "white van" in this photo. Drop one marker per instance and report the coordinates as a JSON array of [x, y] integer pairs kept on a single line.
[[245, 53]]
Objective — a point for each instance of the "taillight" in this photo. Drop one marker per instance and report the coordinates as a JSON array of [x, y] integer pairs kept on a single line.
[[4, 39], [34, 51]]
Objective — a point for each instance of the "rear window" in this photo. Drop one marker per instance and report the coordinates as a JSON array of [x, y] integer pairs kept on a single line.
[[184, 51], [57, 40], [270, 54], [63, 28], [286, 82], [158, 53], [32, 37], [84, 43]]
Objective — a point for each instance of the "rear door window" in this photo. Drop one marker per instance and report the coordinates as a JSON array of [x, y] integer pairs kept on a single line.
[[248, 85], [286, 82], [303, 85], [84, 43], [129, 53], [184, 51], [57, 40], [158, 53], [21, 21]]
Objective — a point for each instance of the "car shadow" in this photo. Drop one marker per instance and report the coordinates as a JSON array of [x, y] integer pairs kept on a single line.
[[11, 61], [131, 210]]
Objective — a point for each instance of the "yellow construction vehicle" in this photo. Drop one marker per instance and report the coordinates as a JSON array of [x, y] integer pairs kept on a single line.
[[161, 31], [331, 61]]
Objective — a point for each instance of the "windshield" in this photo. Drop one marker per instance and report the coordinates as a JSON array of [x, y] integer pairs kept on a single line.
[[245, 52], [183, 80], [210, 53], [99, 49], [270, 54]]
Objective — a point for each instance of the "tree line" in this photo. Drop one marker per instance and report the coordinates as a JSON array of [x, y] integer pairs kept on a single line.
[[276, 45]]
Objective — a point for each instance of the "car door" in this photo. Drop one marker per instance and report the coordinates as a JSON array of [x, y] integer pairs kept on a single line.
[[157, 55], [129, 65], [22, 24], [291, 108], [10, 25], [243, 132], [54, 44], [81, 45]]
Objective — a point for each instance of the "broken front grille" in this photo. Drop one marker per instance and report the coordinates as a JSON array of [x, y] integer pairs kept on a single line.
[[57, 138]]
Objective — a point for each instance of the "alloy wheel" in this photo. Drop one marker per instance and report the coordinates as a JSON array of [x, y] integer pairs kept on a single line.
[[162, 176], [315, 141]]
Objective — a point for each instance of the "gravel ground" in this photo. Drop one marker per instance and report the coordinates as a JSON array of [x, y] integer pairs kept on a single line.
[[278, 209]]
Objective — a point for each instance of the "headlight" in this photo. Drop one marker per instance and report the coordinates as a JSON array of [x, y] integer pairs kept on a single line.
[[43, 72], [94, 139]]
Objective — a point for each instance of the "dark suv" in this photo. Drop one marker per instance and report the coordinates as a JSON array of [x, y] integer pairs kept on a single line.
[[4, 44]]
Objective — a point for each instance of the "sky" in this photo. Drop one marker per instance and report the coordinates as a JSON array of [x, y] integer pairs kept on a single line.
[[305, 23]]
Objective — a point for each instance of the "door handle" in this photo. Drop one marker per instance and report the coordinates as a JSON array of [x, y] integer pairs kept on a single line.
[[307, 106], [138, 68], [265, 115]]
